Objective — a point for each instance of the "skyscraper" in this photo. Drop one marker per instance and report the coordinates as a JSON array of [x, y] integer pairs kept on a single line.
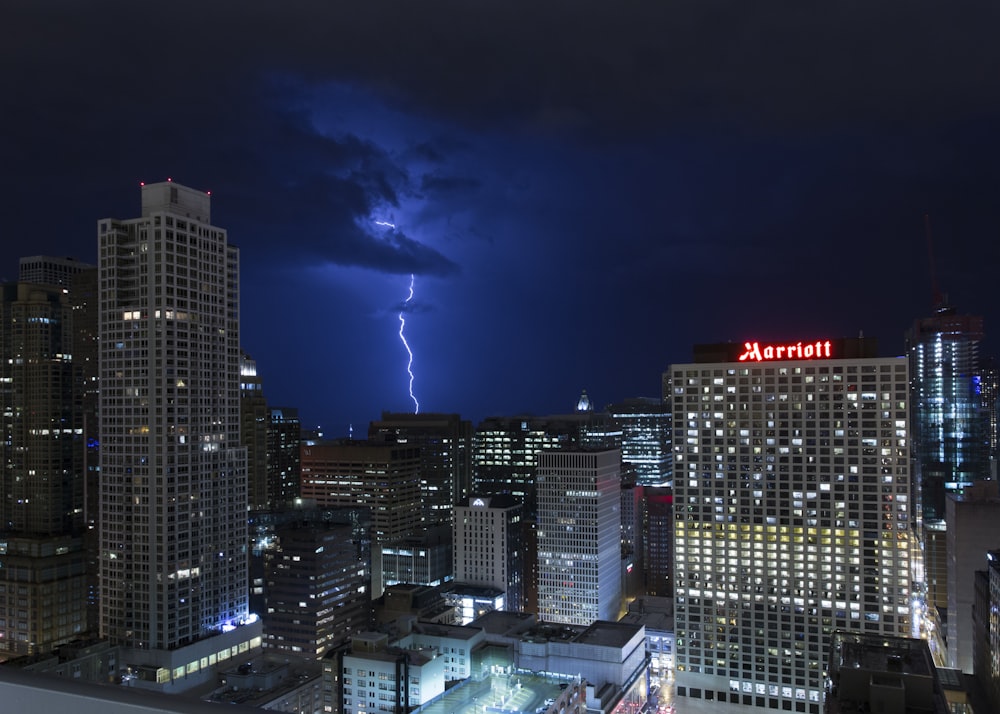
[[579, 536], [792, 514], [173, 472], [951, 441], [42, 562]]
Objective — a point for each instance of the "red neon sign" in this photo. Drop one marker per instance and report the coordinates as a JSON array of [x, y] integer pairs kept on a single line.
[[753, 352]]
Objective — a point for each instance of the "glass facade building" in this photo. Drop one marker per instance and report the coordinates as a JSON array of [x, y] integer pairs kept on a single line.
[[951, 440]]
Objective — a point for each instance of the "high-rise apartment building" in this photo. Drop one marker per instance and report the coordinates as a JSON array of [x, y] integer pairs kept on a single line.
[[489, 547], [951, 441], [793, 514], [445, 442], [173, 471], [645, 427], [579, 536]]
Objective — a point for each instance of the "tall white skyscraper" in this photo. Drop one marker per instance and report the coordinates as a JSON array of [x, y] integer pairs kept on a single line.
[[173, 473], [793, 514], [579, 536]]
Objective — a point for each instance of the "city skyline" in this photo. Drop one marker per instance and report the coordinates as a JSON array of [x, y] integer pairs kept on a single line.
[[581, 192]]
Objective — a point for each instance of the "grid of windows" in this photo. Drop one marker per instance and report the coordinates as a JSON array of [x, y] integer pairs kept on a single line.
[[792, 518], [173, 474]]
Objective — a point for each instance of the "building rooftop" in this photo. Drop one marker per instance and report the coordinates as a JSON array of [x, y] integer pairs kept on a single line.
[[608, 634]]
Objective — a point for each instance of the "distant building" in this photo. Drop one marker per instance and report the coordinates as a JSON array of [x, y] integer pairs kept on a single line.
[[632, 537], [645, 426], [317, 592], [445, 442], [973, 531], [505, 449], [43, 564], [579, 536], [384, 478], [51, 270], [489, 547], [951, 440], [659, 542], [284, 460], [253, 432]]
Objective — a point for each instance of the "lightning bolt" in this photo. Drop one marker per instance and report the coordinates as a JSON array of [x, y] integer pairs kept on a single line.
[[409, 352]]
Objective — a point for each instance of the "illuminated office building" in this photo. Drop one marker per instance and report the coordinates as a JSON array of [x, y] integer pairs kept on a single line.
[[173, 471], [506, 449], [792, 512], [385, 478], [645, 427], [579, 536], [951, 441]]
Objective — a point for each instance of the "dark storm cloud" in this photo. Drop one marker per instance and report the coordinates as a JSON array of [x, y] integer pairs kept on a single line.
[[448, 184], [568, 65]]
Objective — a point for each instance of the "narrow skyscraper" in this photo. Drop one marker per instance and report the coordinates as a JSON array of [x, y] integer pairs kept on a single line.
[[173, 472]]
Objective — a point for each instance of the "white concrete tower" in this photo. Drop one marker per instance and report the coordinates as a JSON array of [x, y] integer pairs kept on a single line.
[[173, 474]]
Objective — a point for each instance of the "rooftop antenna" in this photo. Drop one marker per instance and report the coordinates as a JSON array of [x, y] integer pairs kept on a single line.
[[936, 298]]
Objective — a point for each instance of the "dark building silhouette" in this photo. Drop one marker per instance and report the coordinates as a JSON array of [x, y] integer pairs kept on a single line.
[[317, 594], [43, 584], [659, 539], [284, 460], [254, 432], [445, 442]]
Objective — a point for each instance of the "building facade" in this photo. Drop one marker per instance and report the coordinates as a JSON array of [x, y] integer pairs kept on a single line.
[[173, 472], [793, 514], [951, 424], [253, 432], [973, 531], [284, 459], [489, 546], [317, 592], [579, 536], [445, 442], [43, 588], [645, 426]]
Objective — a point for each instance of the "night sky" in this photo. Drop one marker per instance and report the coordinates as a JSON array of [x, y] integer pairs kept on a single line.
[[582, 190]]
